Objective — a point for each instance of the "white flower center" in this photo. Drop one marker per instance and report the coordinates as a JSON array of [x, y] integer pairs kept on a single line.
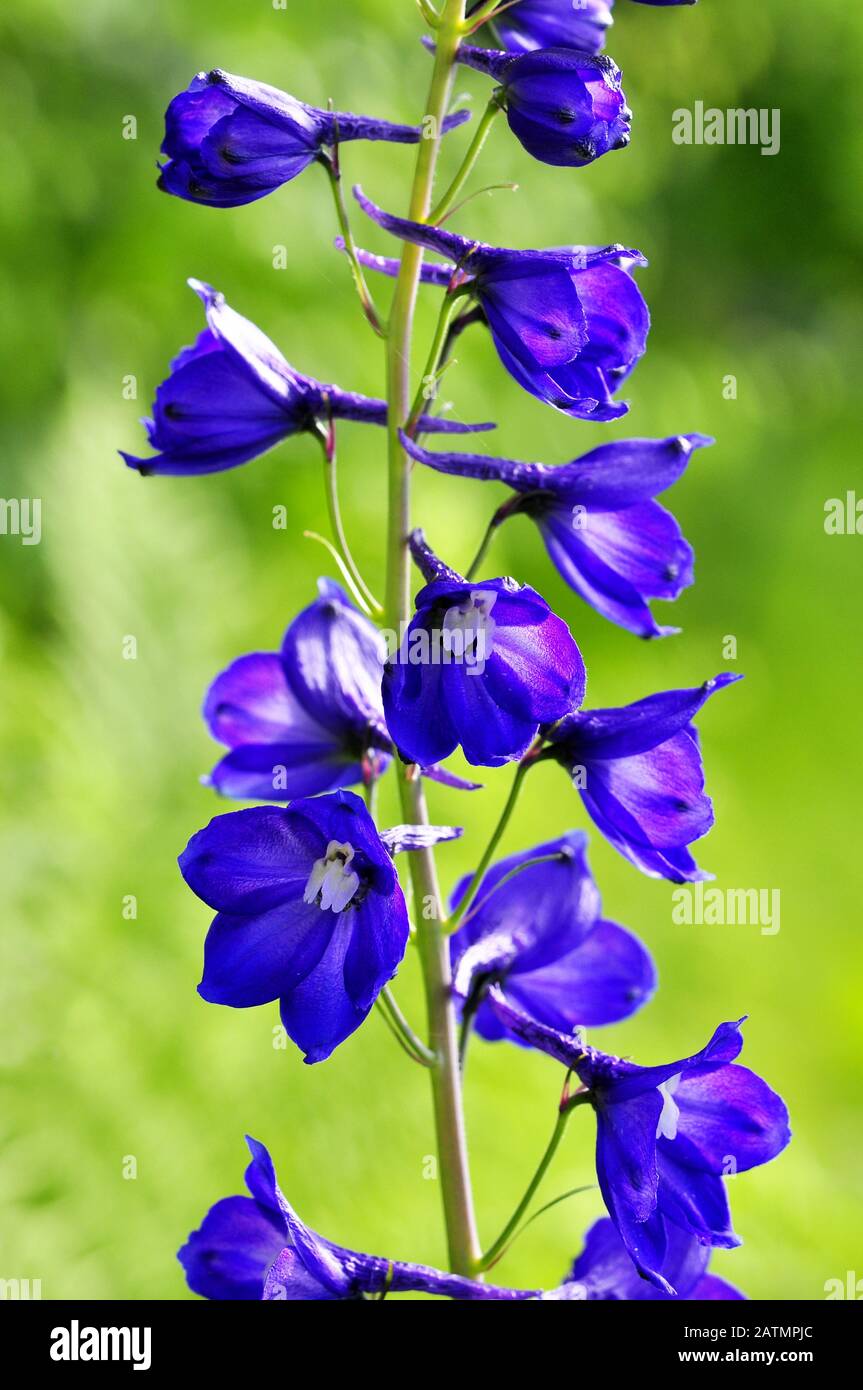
[[468, 626], [666, 1127], [332, 884]]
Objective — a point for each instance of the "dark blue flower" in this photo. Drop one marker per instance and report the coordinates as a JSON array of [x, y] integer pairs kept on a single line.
[[569, 324], [640, 775], [258, 1248], [230, 140], [232, 396], [538, 933], [310, 912], [306, 719], [481, 665], [604, 532], [604, 1269], [667, 1135], [531, 24], [566, 108], [228, 1256]]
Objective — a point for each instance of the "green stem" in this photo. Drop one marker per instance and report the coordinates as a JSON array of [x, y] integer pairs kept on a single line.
[[429, 13], [327, 441], [402, 314], [503, 513], [488, 13], [484, 12], [433, 948], [486, 541], [511, 801], [494, 1252], [428, 384], [365, 294], [356, 594], [473, 152], [399, 1025], [432, 945]]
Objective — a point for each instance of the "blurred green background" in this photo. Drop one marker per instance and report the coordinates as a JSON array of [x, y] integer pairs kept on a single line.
[[107, 1053]]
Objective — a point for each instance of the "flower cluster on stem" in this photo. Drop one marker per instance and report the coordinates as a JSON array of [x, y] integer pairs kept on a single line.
[[310, 909]]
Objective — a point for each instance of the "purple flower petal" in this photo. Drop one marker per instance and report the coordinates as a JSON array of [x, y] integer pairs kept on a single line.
[[533, 24], [481, 665], [693, 1198], [522, 921], [253, 960], [334, 658], [231, 140], [605, 1269], [247, 862], [417, 717], [288, 1280], [639, 727], [535, 312], [252, 702], [489, 733], [310, 912], [731, 1117], [654, 799], [606, 978], [229, 1255]]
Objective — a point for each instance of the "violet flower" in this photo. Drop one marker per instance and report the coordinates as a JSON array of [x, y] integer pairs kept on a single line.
[[257, 1247], [310, 912], [230, 140], [667, 1135], [604, 532], [232, 396], [308, 718], [640, 775], [482, 665], [532, 24], [536, 930], [569, 324], [565, 108], [604, 1270]]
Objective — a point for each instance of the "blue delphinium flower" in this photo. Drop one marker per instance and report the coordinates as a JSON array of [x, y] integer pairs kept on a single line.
[[258, 1248], [531, 24], [230, 140], [604, 1270], [310, 912], [603, 530], [640, 775], [536, 930], [569, 324], [565, 108], [481, 665], [667, 1135], [308, 718], [232, 396]]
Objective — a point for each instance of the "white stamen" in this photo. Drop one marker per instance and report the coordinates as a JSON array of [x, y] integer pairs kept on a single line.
[[670, 1114], [468, 626], [331, 884]]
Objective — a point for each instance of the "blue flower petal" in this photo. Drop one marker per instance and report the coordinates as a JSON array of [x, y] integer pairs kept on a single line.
[[605, 1269], [229, 1255], [605, 979]]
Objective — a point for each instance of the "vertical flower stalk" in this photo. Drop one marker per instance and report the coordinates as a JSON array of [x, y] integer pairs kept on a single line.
[[463, 1242], [310, 910]]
